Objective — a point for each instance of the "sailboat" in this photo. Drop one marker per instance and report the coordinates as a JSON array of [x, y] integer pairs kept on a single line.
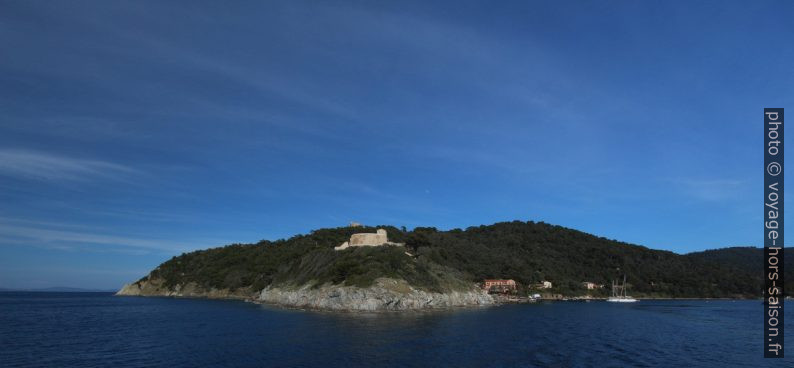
[[619, 293]]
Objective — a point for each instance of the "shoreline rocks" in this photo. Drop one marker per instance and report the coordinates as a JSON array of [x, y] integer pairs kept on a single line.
[[190, 290], [384, 295]]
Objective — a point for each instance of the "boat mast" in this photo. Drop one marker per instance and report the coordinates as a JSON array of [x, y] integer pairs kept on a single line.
[[624, 285], [614, 288]]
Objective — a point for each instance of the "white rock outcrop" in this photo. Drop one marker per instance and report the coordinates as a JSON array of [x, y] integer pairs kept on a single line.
[[386, 294]]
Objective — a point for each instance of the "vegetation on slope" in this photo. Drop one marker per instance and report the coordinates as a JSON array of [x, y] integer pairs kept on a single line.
[[528, 252], [306, 259], [749, 260]]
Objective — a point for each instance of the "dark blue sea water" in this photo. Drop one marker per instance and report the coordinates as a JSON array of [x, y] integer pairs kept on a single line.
[[100, 330]]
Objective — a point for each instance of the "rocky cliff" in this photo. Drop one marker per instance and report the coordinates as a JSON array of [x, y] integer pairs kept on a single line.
[[156, 287], [384, 295]]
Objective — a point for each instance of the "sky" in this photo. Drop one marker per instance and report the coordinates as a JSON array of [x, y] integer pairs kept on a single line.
[[133, 131]]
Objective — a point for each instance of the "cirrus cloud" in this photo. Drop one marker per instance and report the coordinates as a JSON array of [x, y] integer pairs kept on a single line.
[[46, 166]]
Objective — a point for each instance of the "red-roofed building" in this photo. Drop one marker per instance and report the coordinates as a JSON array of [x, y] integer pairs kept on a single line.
[[499, 286]]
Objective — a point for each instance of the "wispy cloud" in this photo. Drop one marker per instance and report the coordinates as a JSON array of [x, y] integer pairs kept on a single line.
[[69, 237], [46, 166], [70, 240]]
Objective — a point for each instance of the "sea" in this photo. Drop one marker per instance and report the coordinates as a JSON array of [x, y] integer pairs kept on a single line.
[[43, 329]]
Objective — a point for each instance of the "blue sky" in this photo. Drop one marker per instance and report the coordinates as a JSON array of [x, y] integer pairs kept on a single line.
[[134, 131]]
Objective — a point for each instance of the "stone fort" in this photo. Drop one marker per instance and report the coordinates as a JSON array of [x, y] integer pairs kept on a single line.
[[375, 239]]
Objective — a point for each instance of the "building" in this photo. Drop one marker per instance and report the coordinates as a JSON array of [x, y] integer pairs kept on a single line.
[[590, 285], [499, 286], [544, 285], [375, 239]]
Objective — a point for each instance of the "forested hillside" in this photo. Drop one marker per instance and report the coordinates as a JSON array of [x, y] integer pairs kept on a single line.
[[747, 259], [528, 252]]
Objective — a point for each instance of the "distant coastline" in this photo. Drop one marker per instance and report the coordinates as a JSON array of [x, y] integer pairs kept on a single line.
[[385, 297], [59, 289]]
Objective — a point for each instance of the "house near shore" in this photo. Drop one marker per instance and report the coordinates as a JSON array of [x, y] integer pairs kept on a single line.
[[591, 285], [499, 286], [375, 239], [543, 285]]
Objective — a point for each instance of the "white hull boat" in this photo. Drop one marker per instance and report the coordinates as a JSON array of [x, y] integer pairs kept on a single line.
[[622, 300], [619, 293]]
